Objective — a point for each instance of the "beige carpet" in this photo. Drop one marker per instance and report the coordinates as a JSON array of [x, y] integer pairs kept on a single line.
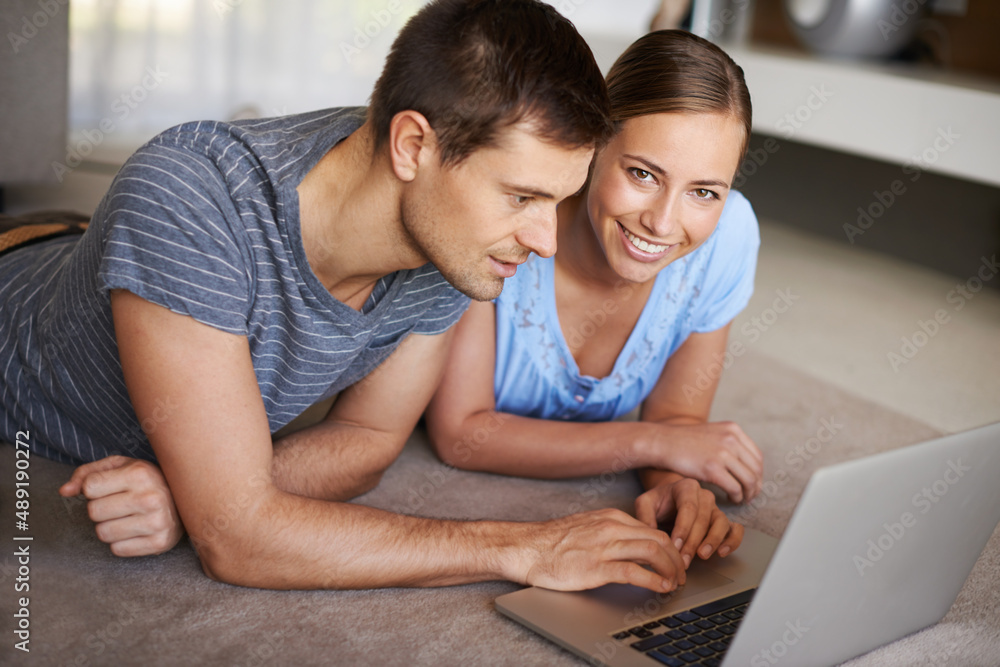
[[89, 608]]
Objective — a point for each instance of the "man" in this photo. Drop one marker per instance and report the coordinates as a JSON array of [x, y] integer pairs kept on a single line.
[[236, 273]]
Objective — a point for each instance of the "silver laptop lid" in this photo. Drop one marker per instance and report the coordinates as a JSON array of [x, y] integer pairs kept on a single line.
[[877, 548]]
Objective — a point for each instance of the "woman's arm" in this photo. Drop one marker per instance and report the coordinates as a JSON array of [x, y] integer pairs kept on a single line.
[[716, 452], [467, 431], [680, 403]]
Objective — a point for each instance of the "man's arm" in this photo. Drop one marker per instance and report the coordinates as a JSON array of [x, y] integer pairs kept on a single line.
[[345, 455], [216, 455], [131, 504]]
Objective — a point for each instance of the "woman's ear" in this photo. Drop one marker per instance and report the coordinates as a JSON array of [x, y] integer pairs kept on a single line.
[[412, 142]]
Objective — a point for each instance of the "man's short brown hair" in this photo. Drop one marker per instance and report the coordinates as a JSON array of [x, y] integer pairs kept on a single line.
[[472, 67]]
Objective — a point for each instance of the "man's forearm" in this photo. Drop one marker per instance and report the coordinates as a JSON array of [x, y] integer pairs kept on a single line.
[[285, 541], [332, 461]]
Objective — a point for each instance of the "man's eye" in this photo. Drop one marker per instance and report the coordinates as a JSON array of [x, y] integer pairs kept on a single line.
[[520, 200]]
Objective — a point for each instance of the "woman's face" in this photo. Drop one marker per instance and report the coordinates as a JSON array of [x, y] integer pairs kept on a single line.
[[658, 188]]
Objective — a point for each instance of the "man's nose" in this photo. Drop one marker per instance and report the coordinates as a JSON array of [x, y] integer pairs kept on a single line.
[[539, 235]]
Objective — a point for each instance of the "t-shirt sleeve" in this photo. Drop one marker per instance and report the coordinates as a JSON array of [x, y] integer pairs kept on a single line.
[[443, 304], [168, 239], [730, 271]]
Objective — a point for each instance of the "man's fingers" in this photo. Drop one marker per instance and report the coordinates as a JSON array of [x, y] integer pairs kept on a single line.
[[664, 561], [631, 573], [74, 486], [659, 555], [637, 543], [109, 508], [131, 475], [138, 536], [143, 546], [118, 505], [119, 530], [591, 549]]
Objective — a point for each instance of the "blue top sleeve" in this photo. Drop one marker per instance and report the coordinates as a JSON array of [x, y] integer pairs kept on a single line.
[[730, 270]]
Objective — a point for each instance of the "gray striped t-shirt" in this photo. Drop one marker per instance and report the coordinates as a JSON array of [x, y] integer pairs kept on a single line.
[[202, 220]]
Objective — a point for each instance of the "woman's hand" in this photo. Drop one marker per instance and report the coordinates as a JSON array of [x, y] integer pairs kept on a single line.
[[699, 525], [719, 453], [130, 503]]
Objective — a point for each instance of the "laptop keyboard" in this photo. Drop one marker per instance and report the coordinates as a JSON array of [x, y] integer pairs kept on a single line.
[[698, 636]]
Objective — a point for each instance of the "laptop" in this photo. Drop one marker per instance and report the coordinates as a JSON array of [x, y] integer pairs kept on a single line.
[[876, 549]]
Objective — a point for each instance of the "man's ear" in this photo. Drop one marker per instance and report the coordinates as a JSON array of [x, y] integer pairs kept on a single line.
[[412, 142]]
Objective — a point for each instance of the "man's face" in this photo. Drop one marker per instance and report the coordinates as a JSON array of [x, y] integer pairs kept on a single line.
[[478, 220]]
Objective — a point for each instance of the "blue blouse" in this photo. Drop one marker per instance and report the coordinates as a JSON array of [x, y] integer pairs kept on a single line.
[[536, 375]]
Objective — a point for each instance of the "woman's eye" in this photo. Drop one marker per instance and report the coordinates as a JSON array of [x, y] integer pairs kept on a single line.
[[641, 174], [703, 193]]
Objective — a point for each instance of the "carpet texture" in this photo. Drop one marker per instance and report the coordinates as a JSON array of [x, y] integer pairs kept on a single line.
[[88, 607]]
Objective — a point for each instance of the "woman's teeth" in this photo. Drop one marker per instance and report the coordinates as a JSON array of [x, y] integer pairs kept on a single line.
[[643, 245]]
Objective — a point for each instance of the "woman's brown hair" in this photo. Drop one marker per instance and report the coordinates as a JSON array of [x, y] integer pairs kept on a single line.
[[674, 71]]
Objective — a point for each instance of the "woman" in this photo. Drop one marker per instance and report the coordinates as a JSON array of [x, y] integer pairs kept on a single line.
[[655, 257]]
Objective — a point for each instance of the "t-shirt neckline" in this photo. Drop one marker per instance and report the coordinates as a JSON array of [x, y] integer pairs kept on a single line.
[[288, 194]]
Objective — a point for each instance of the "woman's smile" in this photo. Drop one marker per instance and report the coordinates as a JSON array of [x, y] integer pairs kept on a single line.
[[641, 248]]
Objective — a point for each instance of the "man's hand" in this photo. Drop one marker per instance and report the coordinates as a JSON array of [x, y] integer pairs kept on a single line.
[[699, 525], [130, 503], [588, 550]]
